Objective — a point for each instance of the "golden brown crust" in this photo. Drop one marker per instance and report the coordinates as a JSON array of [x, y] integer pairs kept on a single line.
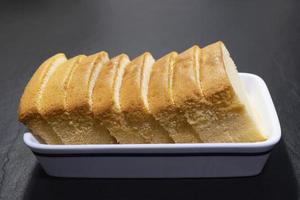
[[159, 93], [213, 76], [53, 96], [186, 84], [79, 84], [131, 99], [28, 102], [103, 94]]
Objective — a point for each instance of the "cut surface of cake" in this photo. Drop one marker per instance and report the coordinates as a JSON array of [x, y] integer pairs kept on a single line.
[[234, 119]]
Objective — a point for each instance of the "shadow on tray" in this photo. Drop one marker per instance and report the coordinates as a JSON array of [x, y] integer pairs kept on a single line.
[[277, 181]]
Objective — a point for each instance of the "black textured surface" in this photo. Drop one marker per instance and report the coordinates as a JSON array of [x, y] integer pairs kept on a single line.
[[262, 36]]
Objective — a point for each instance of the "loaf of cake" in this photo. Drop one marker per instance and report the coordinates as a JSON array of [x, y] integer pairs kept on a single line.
[[191, 97]]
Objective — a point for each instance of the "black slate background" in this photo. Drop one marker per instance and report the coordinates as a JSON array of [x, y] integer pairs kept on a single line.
[[263, 37]]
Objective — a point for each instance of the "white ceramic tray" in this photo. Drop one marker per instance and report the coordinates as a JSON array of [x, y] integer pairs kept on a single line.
[[166, 160]]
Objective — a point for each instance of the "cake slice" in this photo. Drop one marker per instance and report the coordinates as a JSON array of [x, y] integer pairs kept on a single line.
[[134, 103], [29, 108], [53, 99], [187, 93], [106, 98], [79, 103], [161, 102], [234, 119]]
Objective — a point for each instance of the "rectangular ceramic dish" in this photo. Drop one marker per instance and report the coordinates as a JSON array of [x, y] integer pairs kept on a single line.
[[167, 160]]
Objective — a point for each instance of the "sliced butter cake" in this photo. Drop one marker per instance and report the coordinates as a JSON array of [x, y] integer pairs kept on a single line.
[[187, 92], [53, 100], [79, 102], [162, 104], [29, 109], [134, 102], [106, 100], [234, 119]]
